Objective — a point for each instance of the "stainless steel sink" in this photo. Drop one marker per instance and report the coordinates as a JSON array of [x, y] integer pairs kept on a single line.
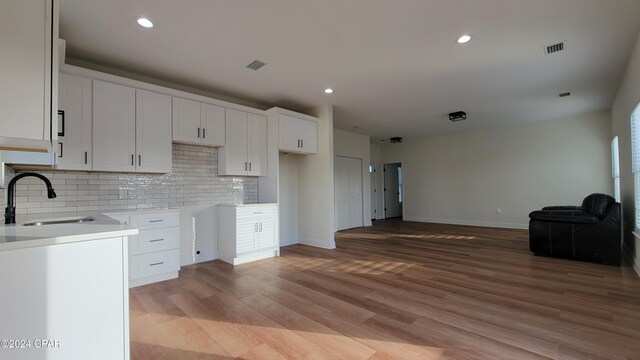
[[60, 221]]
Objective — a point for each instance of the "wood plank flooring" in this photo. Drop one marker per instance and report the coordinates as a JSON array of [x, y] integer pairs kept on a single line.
[[397, 290]]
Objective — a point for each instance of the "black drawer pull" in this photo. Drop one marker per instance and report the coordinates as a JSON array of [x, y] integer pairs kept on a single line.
[[155, 221], [156, 240], [158, 263]]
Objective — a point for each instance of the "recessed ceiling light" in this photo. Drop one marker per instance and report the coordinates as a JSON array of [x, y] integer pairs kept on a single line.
[[144, 22], [328, 91], [464, 39]]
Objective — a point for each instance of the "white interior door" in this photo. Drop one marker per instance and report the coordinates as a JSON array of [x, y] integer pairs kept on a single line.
[[392, 207], [348, 190]]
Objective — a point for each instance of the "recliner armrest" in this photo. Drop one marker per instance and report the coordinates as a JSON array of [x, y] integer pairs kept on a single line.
[[562, 208], [564, 216]]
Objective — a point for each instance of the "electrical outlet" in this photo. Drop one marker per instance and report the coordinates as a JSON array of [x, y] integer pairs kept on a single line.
[[498, 211]]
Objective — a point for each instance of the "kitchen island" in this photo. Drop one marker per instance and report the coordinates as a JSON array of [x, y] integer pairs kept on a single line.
[[64, 289]]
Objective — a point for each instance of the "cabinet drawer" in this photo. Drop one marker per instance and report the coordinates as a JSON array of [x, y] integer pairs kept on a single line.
[[155, 220], [154, 240], [146, 265], [264, 212]]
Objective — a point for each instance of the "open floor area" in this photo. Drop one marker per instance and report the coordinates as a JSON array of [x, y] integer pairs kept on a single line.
[[397, 290]]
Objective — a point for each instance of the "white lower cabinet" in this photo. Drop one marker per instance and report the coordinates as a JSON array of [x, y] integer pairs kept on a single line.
[[74, 295], [247, 232], [154, 254]]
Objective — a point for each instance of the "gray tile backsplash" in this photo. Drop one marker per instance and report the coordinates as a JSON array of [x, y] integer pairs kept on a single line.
[[194, 181]]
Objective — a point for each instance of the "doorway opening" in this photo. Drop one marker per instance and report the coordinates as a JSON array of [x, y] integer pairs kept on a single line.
[[393, 192]]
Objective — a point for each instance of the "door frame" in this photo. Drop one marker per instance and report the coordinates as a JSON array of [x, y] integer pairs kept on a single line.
[[335, 193], [384, 186]]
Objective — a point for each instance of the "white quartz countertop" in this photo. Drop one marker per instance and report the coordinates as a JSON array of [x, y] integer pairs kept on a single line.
[[248, 205], [17, 236]]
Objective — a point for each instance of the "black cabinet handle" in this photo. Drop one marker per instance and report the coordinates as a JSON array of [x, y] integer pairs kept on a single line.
[[302, 143], [85, 158], [132, 160], [204, 133], [156, 240], [158, 263], [139, 160], [156, 221], [249, 166], [61, 149], [198, 132]]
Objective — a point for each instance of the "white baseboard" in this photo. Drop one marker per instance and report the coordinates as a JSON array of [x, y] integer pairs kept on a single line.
[[469, 222], [153, 279], [635, 262], [318, 243]]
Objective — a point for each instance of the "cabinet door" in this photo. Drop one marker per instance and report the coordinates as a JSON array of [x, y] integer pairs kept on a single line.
[[25, 68], [246, 231], [235, 153], [266, 233], [114, 127], [213, 125], [289, 133], [186, 121], [153, 132], [74, 104], [309, 136], [257, 145]]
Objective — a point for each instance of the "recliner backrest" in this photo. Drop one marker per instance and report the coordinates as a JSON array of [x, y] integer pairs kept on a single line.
[[597, 204]]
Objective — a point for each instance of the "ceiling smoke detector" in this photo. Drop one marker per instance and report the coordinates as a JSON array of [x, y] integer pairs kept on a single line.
[[552, 49], [256, 64], [457, 116]]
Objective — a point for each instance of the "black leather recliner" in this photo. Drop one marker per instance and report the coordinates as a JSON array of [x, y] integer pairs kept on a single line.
[[591, 232]]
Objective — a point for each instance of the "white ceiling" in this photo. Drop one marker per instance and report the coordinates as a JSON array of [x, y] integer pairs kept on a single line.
[[394, 64]]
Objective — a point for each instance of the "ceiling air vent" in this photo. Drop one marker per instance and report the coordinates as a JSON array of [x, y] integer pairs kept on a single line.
[[564, 94], [552, 49], [256, 64]]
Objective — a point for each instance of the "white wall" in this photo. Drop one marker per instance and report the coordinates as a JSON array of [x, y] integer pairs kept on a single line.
[[356, 146], [463, 178], [315, 187], [288, 203], [626, 100], [376, 158]]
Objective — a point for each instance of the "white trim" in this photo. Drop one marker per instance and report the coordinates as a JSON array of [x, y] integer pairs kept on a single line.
[[153, 279], [468, 222], [635, 261], [97, 75], [318, 243]]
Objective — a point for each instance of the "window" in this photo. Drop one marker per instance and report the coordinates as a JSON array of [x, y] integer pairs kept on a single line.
[[635, 159], [615, 168]]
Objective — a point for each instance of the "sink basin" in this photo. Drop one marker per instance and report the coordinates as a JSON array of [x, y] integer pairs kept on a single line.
[[75, 220]]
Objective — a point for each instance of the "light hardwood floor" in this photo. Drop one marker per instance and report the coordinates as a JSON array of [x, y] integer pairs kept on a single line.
[[397, 290]]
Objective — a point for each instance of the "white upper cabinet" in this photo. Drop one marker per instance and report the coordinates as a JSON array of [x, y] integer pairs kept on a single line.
[[257, 145], [153, 132], [74, 108], [246, 145], [198, 123], [114, 127], [297, 135], [186, 121], [28, 73], [213, 125], [131, 129]]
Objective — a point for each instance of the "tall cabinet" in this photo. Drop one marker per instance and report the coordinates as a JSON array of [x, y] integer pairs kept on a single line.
[[245, 152], [131, 129]]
